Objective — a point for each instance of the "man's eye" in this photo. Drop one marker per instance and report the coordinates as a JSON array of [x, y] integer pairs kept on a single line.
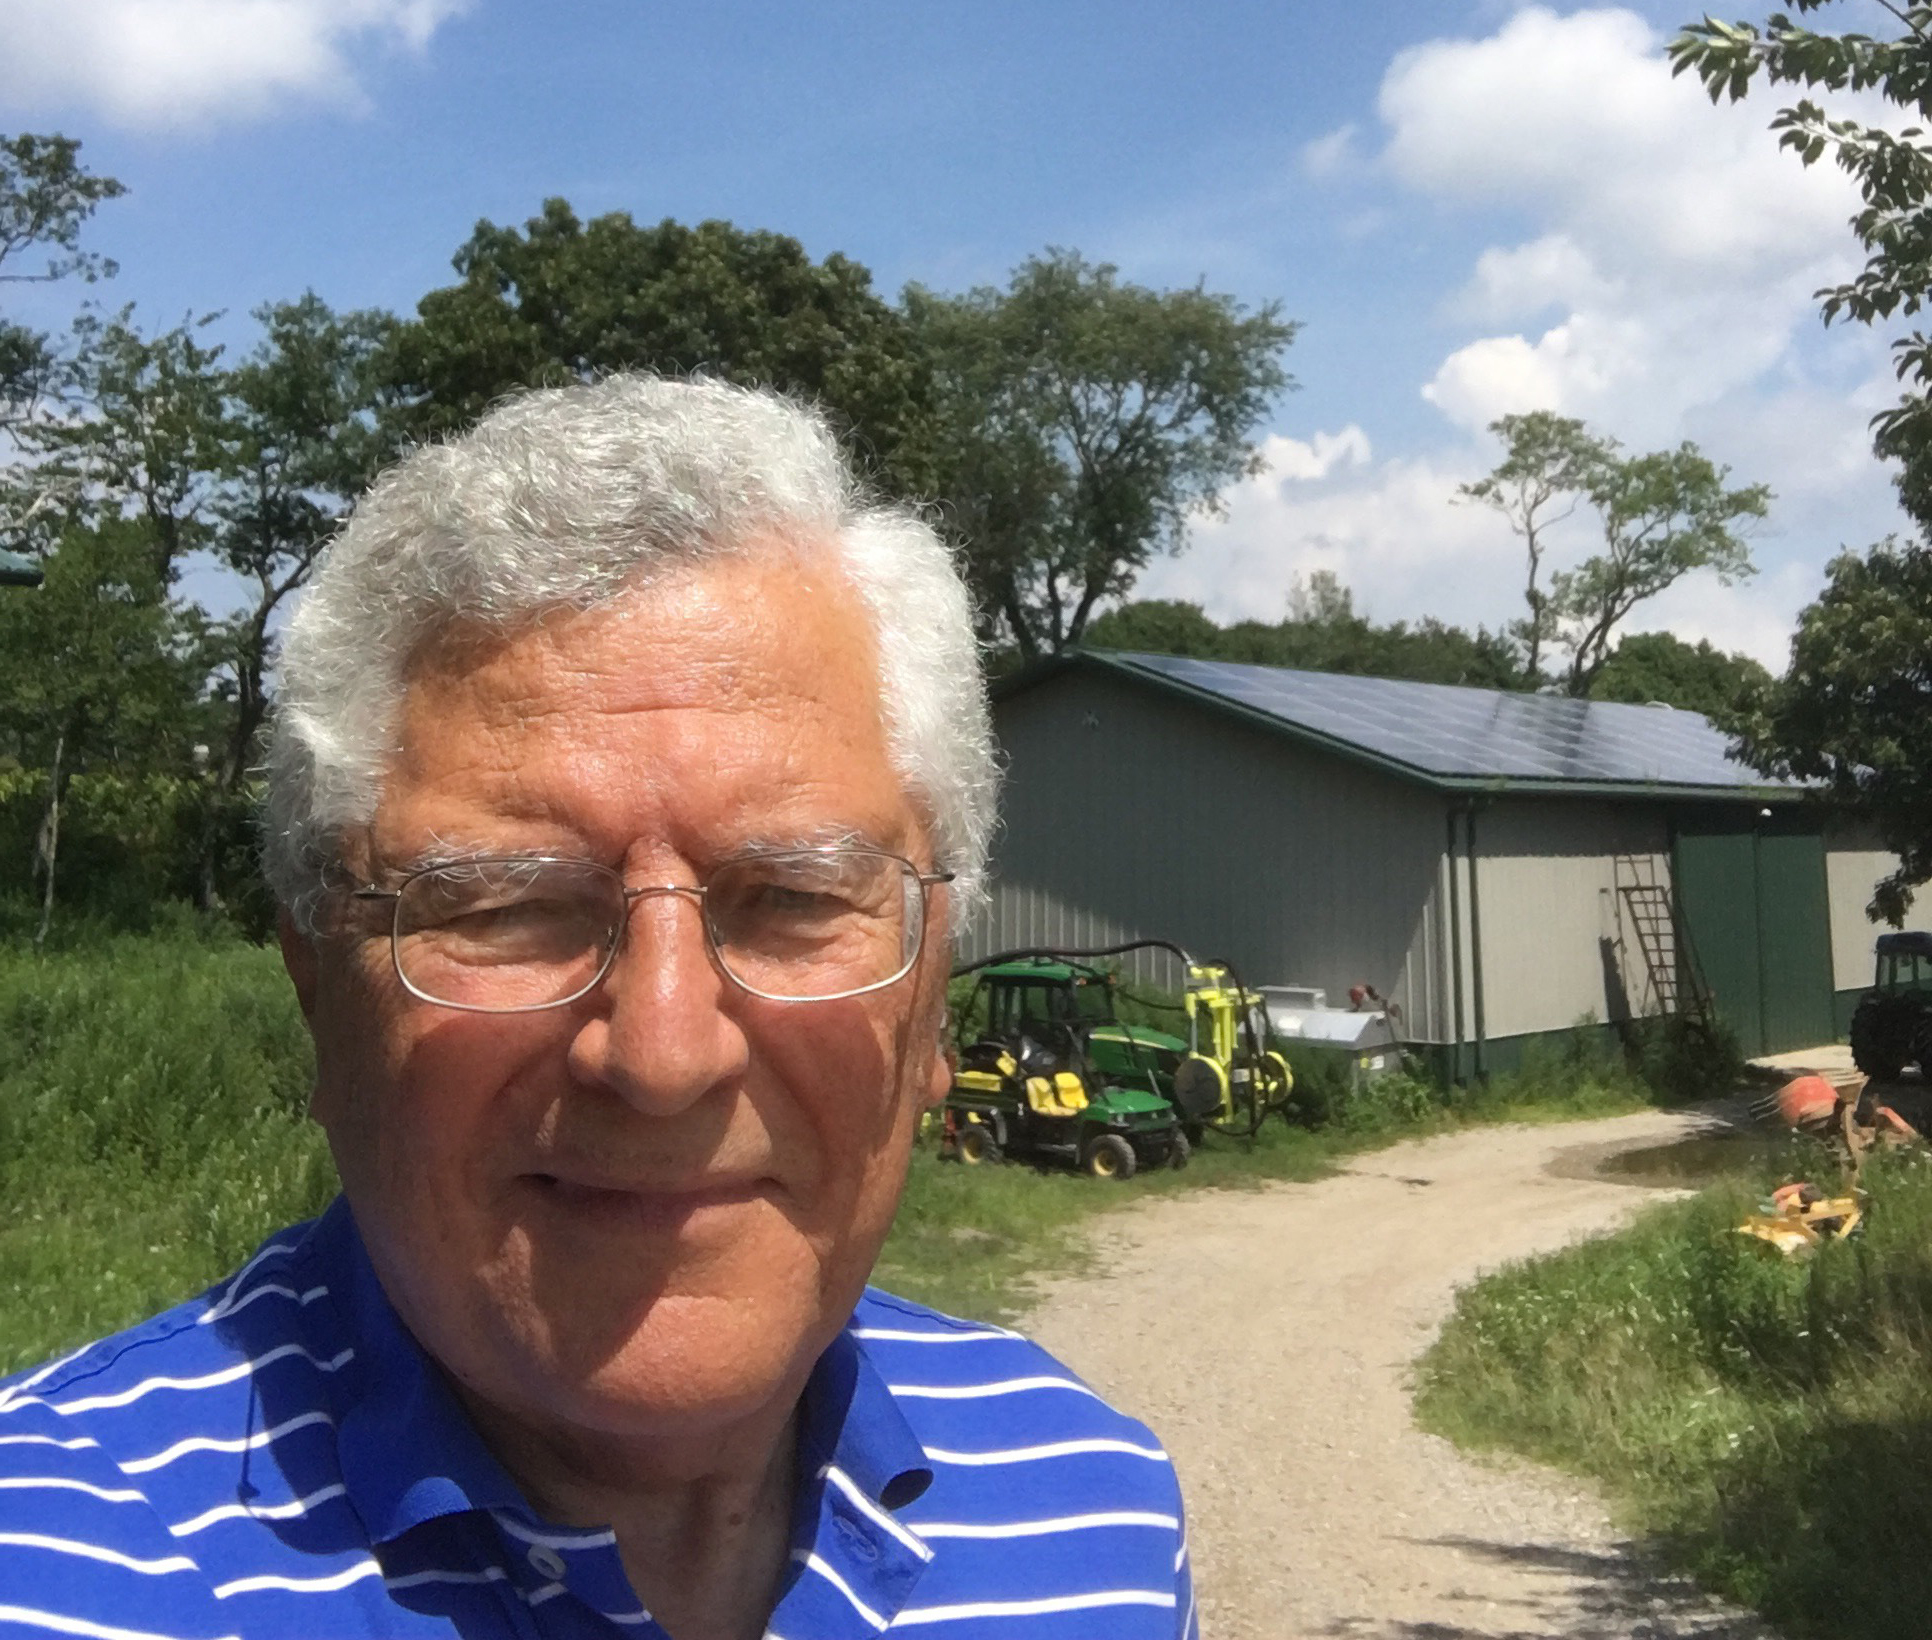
[[790, 901], [509, 928]]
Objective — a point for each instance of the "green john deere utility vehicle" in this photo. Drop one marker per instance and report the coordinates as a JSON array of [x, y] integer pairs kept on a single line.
[[1224, 1074], [1892, 1024], [1053, 1048], [1055, 1076]]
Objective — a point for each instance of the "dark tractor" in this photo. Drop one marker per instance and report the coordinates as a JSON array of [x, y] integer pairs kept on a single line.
[[1892, 1025], [1055, 1077]]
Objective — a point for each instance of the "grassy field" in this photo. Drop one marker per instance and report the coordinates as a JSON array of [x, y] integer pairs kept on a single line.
[[1767, 1423], [151, 1128], [152, 1132]]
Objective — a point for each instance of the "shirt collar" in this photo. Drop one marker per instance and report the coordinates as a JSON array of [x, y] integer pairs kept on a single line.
[[849, 1418], [408, 1451]]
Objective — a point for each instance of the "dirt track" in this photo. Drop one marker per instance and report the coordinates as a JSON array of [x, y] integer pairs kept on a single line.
[[1267, 1338]]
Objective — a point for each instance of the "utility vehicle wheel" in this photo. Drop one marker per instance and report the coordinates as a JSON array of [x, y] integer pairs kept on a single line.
[[1108, 1156], [1922, 1048], [1879, 1048], [976, 1147], [1179, 1151]]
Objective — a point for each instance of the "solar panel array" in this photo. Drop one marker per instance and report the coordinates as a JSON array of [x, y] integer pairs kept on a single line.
[[1476, 734]]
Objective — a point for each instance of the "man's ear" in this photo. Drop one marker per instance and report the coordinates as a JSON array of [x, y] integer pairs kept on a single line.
[[299, 958], [939, 1078]]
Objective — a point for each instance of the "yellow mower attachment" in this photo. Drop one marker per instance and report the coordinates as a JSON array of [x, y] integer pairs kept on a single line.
[[1802, 1218]]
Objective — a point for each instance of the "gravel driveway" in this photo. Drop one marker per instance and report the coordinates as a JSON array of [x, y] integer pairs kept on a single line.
[[1267, 1337]]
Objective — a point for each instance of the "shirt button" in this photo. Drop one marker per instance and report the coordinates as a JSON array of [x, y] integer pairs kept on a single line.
[[547, 1562]]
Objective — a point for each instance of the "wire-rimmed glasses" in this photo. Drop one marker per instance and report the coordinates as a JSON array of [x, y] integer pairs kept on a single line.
[[520, 933]]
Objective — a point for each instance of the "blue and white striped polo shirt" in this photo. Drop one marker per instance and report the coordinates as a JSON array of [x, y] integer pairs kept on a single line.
[[279, 1458]]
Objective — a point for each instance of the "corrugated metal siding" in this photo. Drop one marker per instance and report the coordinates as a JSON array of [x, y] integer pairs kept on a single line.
[[1557, 940], [1128, 815], [1854, 862]]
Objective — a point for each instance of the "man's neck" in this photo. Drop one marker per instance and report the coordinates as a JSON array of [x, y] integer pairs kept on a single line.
[[704, 1528]]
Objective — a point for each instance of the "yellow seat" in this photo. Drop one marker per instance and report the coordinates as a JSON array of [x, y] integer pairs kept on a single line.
[[1062, 1094]]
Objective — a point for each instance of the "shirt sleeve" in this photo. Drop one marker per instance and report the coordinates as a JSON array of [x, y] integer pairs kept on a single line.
[[1187, 1621]]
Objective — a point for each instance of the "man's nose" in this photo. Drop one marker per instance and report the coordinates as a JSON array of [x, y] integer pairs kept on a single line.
[[662, 1035]]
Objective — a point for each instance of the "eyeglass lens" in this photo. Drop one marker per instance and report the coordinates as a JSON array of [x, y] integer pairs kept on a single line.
[[504, 935]]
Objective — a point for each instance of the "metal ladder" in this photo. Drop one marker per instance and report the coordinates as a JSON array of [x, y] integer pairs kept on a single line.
[[1677, 983]]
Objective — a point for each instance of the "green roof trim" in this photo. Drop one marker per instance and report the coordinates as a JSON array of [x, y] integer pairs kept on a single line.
[[1365, 756]]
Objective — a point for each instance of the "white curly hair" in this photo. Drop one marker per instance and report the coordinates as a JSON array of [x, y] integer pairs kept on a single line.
[[564, 498]]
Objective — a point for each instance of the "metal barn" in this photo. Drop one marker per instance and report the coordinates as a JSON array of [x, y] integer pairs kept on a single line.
[[1498, 866]]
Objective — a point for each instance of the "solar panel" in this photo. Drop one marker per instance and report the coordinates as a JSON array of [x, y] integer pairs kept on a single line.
[[1476, 734]]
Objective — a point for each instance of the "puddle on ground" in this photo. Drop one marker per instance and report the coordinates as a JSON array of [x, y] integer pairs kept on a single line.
[[1690, 1164], [1752, 1155]]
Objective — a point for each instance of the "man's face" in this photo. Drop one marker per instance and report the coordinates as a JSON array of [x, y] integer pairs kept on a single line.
[[644, 1214]]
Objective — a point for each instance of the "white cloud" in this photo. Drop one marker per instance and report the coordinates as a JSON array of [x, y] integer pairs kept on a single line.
[[1292, 459], [167, 62], [1329, 154], [1393, 530], [1657, 280], [1754, 618], [1679, 246]]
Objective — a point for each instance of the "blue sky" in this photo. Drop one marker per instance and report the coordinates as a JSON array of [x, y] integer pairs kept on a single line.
[[1472, 208]]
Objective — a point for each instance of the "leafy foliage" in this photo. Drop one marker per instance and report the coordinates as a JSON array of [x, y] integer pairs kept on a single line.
[[1321, 633], [46, 197], [299, 438], [1657, 667], [1855, 709], [1663, 515], [563, 300], [1083, 420]]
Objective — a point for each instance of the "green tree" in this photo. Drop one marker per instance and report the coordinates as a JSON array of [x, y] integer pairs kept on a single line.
[[1158, 626], [97, 669], [1854, 707], [1662, 516], [146, 439], [1854, 710], [1083, 421], [1657, 667], [1539, 484], [1322, 633], [562, 300], [1892, 170], [301, 436], [46, 197]]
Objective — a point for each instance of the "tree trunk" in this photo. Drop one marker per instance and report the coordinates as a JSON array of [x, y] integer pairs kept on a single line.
[[47, 841]]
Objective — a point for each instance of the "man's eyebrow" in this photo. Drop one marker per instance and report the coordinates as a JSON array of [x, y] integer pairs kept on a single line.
[[816, 838], [444, 851]]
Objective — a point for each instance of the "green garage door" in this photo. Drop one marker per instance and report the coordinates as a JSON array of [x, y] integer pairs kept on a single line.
[[1752, 893]]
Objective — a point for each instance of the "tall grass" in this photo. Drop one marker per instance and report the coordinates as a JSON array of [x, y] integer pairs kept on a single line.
[[1767, 1422], [151, 1128]]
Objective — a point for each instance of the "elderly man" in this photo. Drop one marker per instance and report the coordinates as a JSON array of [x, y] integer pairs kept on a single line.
[[630, 777]]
